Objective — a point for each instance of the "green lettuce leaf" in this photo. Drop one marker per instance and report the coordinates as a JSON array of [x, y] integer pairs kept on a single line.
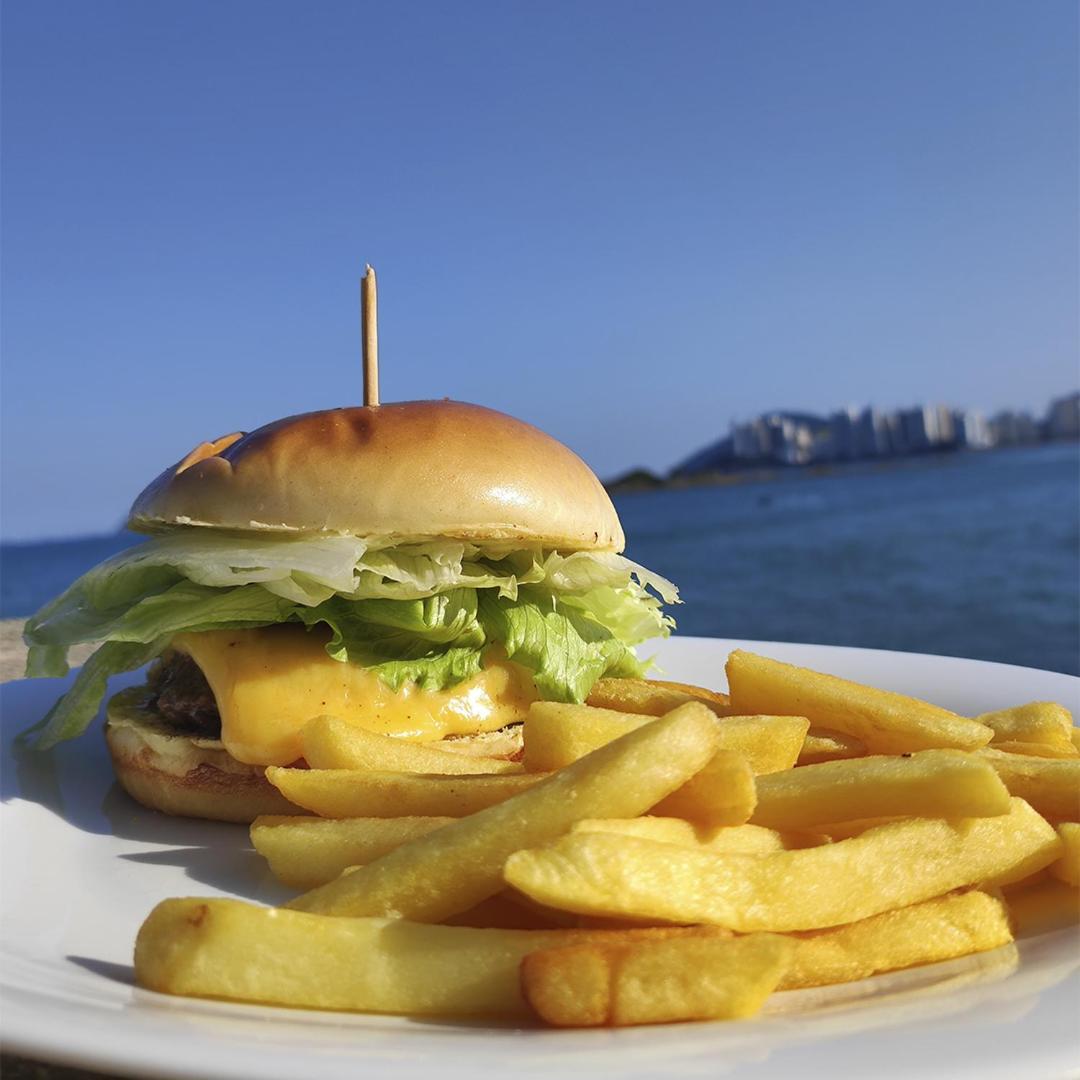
[[74, 710], [368, 632], [566, 652], [420, 612], [434, 672]]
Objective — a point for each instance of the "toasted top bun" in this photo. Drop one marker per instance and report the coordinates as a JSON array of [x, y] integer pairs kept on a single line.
[[407, 470]]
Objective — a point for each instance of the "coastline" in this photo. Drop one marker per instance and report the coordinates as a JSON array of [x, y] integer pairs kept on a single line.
[[771, 472], [13, 651]]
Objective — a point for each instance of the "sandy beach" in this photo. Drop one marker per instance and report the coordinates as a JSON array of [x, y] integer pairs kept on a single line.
[[13, 651]]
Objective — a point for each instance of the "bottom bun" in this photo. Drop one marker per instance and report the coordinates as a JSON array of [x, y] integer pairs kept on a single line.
[[193, 776], [185, 775]]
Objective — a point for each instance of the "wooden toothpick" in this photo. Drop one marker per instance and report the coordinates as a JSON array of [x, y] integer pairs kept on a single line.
[[369, 335]]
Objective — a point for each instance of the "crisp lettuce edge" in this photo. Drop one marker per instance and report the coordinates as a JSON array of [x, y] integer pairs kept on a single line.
[[435, 609]]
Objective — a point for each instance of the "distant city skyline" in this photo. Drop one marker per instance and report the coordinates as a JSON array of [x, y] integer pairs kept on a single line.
[[627, 223], [779, 437]]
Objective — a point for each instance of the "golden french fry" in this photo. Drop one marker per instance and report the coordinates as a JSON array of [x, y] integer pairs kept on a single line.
[[330, 743], [697, 977], [557, 734], [885, 722], [714, 699], [1074, 735], [504, 911], [1067, 868], [744, 839], [304, 852], [349, 793], [941, 929], [845, 830], [722, 793], [552, 917], [568, 986], [1044, 905], [891, 866], [1043, 723], [241, 952], [823, 745], [1051, 786], [1035, 749], [652, 697], [931, 783], [1006, 890], [769, 743], [457, 866]]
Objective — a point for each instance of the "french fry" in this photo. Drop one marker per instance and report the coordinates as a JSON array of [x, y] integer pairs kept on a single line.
[[1051, 786], [330, 743], [1043, 723], [885, 722], [1034, 749], [823, 745], [457, 866], [941, 929], [741, 839], [1067, 868], [304, 852], [714, 699], [241, 952], [769, 743], [1006, 890], [722, 793], [349, 793], [652, 697], [504, 911], [557, 734], [891, 866], [654, 981], [1074, 735], [1044, 905], [845, 830], [931, 783]]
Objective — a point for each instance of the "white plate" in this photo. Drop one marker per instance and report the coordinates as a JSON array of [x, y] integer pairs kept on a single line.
[[82, 865]]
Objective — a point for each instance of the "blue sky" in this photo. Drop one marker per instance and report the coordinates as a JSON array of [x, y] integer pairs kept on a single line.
[[628, 223]]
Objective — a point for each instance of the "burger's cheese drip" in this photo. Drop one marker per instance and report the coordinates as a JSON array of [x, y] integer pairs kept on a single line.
[[271, 681]]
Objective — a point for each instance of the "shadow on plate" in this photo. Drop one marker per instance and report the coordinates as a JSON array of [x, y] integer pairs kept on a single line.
[[240, 873], [75, 782], [119, 973]]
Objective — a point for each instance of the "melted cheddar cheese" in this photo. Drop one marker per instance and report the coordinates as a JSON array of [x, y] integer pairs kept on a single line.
[[269, 682]]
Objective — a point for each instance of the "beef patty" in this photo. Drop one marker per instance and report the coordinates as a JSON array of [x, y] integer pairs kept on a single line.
[[183, 696]]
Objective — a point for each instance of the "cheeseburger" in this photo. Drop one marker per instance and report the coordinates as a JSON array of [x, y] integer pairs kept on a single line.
[[425, 570]]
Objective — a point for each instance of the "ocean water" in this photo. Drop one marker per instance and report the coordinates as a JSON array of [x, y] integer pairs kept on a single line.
[[972, 555]]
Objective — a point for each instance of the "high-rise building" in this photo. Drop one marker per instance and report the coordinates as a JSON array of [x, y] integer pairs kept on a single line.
[[1013, 429], [972, 430], [944, 433], [841, 443], [871, 434], [918, 425], [1063, 418], [751, 442]]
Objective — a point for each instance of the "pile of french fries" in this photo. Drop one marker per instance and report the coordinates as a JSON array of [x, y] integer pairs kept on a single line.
[[662, 853]]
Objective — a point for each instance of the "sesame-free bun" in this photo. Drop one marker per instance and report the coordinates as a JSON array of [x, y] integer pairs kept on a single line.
[[408, 470], [183, 774]]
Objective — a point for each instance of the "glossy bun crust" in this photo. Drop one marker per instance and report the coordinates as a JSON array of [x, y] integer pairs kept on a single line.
[[407, 470]]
